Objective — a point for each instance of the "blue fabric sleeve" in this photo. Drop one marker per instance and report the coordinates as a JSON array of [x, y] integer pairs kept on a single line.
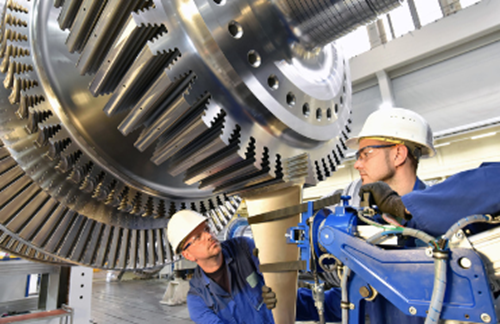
[[199, 312], [306, 311], [437, 208], [250, 247]]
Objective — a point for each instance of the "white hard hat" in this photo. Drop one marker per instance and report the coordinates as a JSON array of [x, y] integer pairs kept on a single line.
[[181, 225], [397, 124]]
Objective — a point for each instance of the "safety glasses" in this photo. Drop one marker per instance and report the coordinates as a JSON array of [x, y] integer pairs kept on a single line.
[[365, 152], [197, 237]]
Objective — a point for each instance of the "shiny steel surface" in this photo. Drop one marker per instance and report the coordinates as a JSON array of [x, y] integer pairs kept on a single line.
[[117, 113], [317, 23]]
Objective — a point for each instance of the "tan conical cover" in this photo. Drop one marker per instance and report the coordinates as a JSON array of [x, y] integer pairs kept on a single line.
[[271, 241]]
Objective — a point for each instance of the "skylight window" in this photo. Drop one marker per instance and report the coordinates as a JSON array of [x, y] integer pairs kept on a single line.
[[467, 3], [355, 43], [428, 11], [401, 20]]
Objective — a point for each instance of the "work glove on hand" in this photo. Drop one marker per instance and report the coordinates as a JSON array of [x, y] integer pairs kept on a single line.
[[387, 200], [269, 297]]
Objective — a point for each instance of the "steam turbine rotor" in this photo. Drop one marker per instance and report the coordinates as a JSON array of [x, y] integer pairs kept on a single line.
[[116, 114]]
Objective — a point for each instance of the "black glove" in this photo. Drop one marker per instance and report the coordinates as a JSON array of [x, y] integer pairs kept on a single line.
[[387, 200], [269, 297]]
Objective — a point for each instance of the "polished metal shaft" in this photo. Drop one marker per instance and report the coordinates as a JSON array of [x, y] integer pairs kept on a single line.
[[319, 22]]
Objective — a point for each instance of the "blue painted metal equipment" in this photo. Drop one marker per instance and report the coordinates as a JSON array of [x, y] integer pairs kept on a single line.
[[404, 276]]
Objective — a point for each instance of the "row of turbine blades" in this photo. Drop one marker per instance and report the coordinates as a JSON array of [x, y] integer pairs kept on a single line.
[[36, 226]]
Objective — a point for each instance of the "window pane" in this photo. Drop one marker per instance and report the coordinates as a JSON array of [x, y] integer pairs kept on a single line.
[[428, 11], [401, 20], [466, 3], [355, 43]]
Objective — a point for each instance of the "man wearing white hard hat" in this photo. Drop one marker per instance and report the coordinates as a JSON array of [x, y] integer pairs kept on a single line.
[[226, 286], [389, 148]]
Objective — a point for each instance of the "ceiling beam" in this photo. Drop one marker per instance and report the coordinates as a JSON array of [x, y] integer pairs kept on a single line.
[[455, 31]]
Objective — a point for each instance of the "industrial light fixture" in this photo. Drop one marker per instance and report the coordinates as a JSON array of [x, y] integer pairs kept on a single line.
[[483, 135], [442, 144]]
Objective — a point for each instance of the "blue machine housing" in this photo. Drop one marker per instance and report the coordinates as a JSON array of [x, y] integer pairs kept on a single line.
[[404, 276]]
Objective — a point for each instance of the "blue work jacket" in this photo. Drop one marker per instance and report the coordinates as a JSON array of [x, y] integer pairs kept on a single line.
[[208, 303], [467, 193]]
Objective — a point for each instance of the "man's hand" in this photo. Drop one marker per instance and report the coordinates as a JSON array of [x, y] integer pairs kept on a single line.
[[387, 200], [269, 297]]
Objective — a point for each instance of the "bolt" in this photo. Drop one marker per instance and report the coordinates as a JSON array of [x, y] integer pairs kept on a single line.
[[364, 291], [486, 318], [413, 310], [465, 263], [428, 252], [459, 235]]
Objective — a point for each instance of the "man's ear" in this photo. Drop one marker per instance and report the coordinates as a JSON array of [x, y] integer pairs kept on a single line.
[[401, 155], [188, 256]]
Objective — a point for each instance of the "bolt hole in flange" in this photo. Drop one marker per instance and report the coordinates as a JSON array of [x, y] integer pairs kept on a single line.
[[273, 82], [254, 59], [290, 99], [319, 114], [306, 111], [329, 113], [235, 29]]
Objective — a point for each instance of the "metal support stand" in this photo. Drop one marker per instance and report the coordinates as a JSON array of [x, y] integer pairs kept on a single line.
[[64, 294]]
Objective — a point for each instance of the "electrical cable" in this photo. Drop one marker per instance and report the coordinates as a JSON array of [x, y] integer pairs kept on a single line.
[[345, 296], [464, 222], [318, 293], [367, 220], [438, 291], [375, 239], [391, 220]]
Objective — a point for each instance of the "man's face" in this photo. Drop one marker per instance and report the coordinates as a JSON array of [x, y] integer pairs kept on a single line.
[[374, 162], [201, 244]]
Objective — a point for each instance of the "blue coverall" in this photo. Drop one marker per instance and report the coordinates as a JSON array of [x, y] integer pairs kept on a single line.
[[208, 303], [434, 211]]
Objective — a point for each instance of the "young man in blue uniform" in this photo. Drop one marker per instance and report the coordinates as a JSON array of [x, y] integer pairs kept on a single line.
[[226, 286], [389, 147]]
